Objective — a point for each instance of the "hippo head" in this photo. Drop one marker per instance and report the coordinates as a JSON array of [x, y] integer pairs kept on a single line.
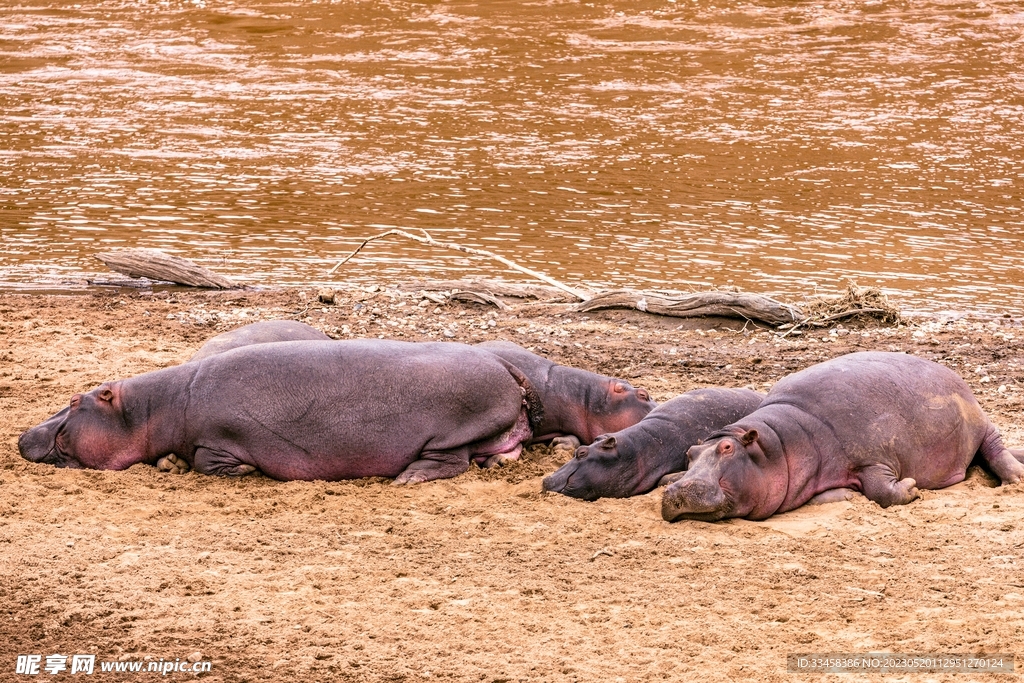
[[94, 432], [728, 476], [608, 468], [623, 406]]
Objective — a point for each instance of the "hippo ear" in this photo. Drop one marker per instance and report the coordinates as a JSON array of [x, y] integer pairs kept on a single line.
[[619, 388], [643, 395], [749, 438], [105, 395], [608, 443]]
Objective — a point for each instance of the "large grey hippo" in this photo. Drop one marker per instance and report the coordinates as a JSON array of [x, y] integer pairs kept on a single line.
[[633, 460], [263, 332], [305, 410], [884, 424], [577, 403]]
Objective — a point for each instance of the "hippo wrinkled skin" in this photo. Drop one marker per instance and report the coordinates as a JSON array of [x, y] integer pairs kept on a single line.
[[884, 424], [305, 410], [577, 404], [263, 332], [633, 461]]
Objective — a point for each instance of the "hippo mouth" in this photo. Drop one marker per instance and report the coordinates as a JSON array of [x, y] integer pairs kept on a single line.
[[39, 443], [694, 499], [558, 481]]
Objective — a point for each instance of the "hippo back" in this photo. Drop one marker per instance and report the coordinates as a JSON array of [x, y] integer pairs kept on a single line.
[[263, 332]]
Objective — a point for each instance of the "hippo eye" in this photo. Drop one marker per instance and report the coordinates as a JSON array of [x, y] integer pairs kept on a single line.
[[726, 447], [580, 453]]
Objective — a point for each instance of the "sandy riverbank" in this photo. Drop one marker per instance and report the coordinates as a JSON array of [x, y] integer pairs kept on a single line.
[[482, 577]]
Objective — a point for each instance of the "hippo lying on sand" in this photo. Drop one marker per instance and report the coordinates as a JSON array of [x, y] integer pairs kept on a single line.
[[305, 410], [262, 332], [632, 461], [577, 403], [884, 424]]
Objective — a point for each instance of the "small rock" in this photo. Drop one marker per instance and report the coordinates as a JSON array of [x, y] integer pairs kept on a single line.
[[195, 657], [325, 296]]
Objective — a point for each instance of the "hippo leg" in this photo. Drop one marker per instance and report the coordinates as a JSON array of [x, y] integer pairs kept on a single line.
[[671, 477], [999, 460], [832, 496], [222, 463], [434, 465], [570, 442], [173, 464], [1017, 453], [502, 458], [880, 485]]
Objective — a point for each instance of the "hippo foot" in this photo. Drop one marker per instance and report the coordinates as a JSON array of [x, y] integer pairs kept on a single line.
[[1011, 471], [499, 459], [565, 442], [833, 496], [878, 482], [671, 478], [173, 464], [911, 492], [439, 465], [1005, 463]]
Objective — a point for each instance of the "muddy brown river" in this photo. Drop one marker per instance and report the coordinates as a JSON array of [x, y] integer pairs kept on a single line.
[[782, 147]]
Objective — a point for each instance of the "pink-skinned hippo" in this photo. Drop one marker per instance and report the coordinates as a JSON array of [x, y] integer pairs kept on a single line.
[[883, 424], [578, 405], [634, 460], [305, 410], [263, 332]]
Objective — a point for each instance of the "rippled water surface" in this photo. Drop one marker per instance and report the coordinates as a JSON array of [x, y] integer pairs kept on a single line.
[[782, 147]]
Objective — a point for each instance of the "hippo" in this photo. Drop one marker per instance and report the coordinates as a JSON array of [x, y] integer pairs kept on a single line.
[[578, 405], [305, 410], [882, 424], [634, 460], [263, 332]]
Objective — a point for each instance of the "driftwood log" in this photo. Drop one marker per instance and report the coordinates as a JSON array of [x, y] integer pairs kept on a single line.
[[157, 265], [724, 304], [479, 298]]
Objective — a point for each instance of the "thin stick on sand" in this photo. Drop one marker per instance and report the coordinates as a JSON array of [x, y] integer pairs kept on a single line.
[[427, 239]]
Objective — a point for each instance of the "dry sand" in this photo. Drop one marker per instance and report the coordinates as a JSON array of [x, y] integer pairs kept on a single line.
[[482, 577]]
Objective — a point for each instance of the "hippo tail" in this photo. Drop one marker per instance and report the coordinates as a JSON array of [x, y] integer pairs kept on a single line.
[[534, 407]]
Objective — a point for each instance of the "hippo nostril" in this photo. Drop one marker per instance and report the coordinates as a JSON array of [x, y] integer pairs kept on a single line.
[[554, 483]]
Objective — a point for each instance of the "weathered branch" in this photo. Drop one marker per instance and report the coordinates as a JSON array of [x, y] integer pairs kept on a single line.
[[479, 298], [725, 304], [157, 265], [427, 239], [515, 290]]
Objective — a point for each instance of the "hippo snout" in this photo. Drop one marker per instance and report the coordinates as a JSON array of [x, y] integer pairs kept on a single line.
[[694, 499], [559, 479], [34, 445]]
